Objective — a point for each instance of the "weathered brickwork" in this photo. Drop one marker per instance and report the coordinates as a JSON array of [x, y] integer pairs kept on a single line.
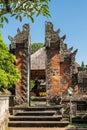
[[60, 62], [19, 46], [37, 73], [53, 71]]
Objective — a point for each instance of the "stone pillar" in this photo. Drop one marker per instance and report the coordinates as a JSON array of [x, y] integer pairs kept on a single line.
[[60, 63], [20, 47], [22, 65], [52, 62]]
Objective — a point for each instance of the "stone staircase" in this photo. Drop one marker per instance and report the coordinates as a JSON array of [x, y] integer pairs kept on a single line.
[[39, 115]]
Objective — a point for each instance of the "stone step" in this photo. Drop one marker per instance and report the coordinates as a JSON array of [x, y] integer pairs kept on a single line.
[[36, 113], [36, 108], [38, 99], [81, 113], [38, 103], [23, 107], [40, 116], [38, 123], [35, 118]]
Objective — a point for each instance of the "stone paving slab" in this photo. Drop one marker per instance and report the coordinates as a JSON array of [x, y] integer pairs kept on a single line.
[[41, 128]]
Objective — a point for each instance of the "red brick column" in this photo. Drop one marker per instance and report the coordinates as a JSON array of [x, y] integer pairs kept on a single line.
[[53, 72], [19, 46], [60, 63]]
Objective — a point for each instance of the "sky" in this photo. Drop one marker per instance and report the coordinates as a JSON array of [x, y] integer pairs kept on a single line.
[[68, 15]]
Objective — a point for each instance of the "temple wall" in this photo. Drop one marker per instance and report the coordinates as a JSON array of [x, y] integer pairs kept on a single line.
[[82, 81], [4, 111]]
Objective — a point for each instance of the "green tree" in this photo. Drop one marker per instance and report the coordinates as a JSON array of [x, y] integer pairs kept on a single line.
[[23, 8], [82, 64], [9, 74], [86, 66], [35, 47]]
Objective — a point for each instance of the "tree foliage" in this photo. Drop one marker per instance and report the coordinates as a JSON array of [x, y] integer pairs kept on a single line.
[[83, 65], [9, 74], [23, 8], [35, 47]]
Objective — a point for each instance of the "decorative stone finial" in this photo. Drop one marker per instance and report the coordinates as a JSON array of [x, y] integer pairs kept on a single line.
[[11, 39], [75, 52], [18, 31], [63, 37], [58, 31], [49, 26], [70, 49], [26, 27]]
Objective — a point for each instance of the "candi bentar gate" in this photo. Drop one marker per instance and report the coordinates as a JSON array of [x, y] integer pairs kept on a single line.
[[54, 65]]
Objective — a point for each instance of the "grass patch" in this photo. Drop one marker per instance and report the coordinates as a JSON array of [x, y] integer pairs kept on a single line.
[[6, 126], [76, 125], [32, 97]]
